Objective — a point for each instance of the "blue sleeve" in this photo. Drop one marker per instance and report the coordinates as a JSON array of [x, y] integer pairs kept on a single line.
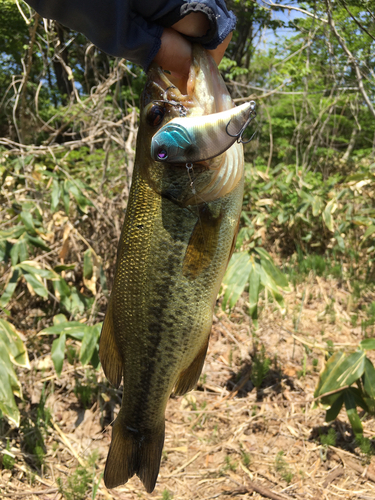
[[132, 28]]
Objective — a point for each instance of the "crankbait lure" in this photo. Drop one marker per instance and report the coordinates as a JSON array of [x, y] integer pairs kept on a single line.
[[199, 138]]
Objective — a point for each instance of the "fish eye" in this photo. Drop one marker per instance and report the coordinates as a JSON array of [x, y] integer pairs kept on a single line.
[[162, 154], [155, 115]]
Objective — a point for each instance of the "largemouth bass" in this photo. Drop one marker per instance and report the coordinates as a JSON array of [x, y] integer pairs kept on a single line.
[[179, 232]]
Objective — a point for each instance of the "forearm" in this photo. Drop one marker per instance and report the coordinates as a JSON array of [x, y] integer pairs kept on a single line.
[[133, 29]]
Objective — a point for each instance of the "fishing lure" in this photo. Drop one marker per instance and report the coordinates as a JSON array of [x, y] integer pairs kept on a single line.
[[199, 138]]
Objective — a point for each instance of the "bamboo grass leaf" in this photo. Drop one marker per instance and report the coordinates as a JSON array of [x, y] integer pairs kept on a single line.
[[10, 287], [351, 410], [367, 344], [369, 379], [36, 284], [89, 343], [335, 408], [8, 377], [254, 282], [341, 370], [13, 344], [58, 353], [28, 222], [236, 278]]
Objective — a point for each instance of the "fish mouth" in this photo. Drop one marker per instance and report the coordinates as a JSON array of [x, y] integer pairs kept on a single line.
[[204, 93]]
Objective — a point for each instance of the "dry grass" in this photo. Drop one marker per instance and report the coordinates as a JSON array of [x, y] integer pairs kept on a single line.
[[225, 439]]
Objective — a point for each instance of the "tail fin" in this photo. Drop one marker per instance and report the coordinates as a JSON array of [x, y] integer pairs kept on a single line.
[[131, 453]]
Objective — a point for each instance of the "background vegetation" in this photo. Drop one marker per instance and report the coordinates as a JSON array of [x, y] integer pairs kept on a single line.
[[68, 122]]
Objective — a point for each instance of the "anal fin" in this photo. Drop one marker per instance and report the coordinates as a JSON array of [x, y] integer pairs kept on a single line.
[[132, 453], [188, 378], [109, 354]]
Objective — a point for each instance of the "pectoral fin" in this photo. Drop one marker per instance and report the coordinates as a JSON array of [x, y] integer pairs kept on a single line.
[[233, 247], [109, 354], [202, 244], [188, 379]]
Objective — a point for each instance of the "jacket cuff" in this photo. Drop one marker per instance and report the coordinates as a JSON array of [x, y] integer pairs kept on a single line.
[[221, 21]]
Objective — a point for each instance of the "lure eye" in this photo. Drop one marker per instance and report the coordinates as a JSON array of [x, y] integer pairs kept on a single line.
[[162, 154], [155, 115]]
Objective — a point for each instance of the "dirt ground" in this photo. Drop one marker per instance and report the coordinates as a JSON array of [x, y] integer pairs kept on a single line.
[[225, 439]]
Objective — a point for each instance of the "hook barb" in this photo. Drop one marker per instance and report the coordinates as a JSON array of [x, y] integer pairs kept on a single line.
[[239, 135]]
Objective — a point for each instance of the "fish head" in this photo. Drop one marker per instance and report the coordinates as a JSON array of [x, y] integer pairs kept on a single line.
[[163, 143]]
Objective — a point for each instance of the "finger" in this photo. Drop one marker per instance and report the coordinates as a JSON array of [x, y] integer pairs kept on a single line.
[[195, 24], [174, 54], [219, 52]]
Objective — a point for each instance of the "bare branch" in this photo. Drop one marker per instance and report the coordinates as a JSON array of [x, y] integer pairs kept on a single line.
[[352, 60], [290, 7], [361, 27]]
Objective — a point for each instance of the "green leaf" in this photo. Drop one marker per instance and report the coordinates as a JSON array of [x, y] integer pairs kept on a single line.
[[271, 270], [340, 241], [327, 214], [236, 277], [64, 267], [55, 195], [14, 233], [32, 267], [82, 201], [59, 319], [8, 368], [332, 412], [58, 353], [9, 289], [370, 402], [66, 197], [88, 264], [316, 206], [13, 344], [89, 342], [95, 361], [28, 222], [352, 413], [23, 252], [96, 485], [103, 281], [369, 379], [36, 284], [37, 242], [14, 253], [62, 292], [369, 231], [340, 370], [77, 302], [254, 282], [73, 329], [8, 404], [367, 344]]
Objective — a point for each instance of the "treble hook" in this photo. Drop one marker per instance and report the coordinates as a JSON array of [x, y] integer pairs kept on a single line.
[[239, 135], [182, 110]]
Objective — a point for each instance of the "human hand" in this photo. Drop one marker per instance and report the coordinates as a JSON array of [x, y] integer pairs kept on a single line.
[[175, 52]]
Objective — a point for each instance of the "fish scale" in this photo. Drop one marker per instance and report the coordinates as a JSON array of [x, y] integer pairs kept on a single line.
[[173, 252]]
